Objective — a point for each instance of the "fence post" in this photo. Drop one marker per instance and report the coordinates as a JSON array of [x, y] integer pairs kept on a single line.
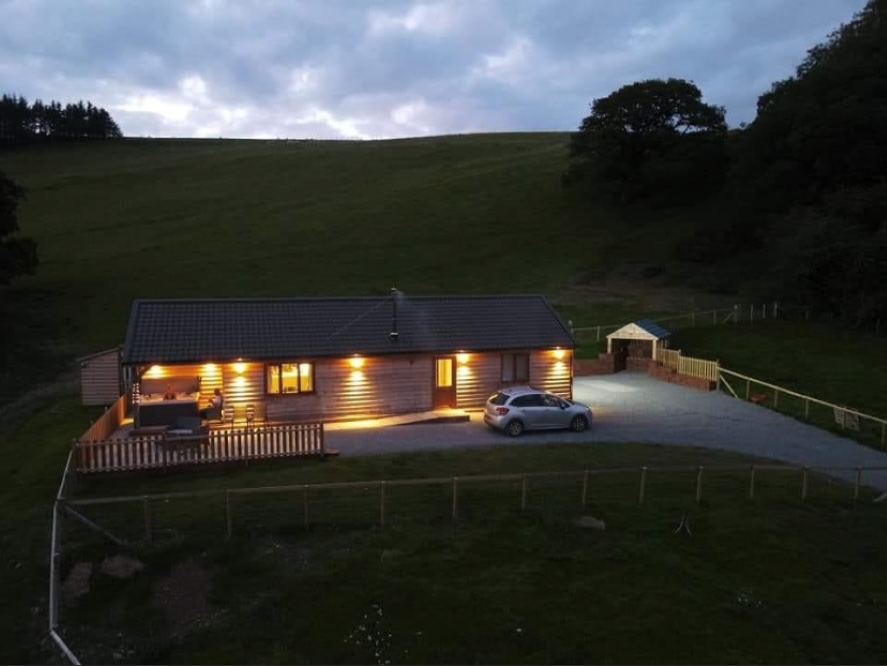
[[584, 488], [775, 398], [736, 313], [692, 319], [807, 408], [146, 509], [598, 334], [455, 497], [699, 484], [523, 493], [804, 475], [747, 389], [856, 483], [764, 311], [776, 310], [382, 503], [714, 317], [751, 483], [228, 518], [305, 506], [883, 432], [643, 485]]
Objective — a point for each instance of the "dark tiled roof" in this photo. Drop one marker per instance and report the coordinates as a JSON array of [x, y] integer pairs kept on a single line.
[[652, 329], [188, 331]]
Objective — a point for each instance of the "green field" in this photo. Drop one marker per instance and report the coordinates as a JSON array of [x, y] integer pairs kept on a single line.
[[197, 218], [762, 582], [755, 582], [834, 364]]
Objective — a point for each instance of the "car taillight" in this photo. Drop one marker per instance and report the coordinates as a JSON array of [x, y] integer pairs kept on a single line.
[[501, 411]]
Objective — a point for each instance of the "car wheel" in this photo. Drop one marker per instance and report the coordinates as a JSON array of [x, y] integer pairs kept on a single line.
[[578, 424], [514, 428]]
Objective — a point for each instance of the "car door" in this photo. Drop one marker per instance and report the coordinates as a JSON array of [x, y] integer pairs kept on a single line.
[[530, 409], [551, 415]]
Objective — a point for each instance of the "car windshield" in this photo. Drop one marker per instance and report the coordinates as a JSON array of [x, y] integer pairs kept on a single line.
[[498, 399]]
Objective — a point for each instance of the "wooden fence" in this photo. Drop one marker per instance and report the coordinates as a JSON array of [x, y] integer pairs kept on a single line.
[[845, 417], [378, 500], [110, 421], [687, 365], [217, 446], [670, 358]]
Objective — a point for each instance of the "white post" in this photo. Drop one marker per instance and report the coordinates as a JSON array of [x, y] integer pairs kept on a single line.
[[609, 345]]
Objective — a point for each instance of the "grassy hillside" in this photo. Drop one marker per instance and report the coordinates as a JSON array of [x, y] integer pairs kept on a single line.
[[463, 214]]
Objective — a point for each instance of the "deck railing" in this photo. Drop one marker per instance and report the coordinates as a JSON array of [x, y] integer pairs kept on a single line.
[[107, 423], [217, 446]]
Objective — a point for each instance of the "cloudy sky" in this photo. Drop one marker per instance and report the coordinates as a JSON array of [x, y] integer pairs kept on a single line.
[[392, 68]]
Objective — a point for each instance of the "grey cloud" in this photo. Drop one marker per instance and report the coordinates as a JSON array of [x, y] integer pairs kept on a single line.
[[367, 68]]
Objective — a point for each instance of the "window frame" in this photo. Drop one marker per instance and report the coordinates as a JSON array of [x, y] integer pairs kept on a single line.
[[298, 365], [513, 362]]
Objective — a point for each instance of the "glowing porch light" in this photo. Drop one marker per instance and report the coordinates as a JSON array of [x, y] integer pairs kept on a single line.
[[559, 353], [240, 368], [154, 371], [462, 358], [210, 369], [356, 362]]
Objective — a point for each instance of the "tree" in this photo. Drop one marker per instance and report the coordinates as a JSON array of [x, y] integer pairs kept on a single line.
[[654, 140], [18, 256], [811, 172]]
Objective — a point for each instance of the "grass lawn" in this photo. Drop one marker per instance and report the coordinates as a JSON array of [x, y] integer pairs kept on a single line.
[[769, 581], [834, 364]]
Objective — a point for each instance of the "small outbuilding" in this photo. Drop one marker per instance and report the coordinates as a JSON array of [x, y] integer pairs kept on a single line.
[[101, 381], [639, 339]]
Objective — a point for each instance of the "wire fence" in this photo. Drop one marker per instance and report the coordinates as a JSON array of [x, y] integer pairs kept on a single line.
[[55, 559], [227, 513], [734, 314]]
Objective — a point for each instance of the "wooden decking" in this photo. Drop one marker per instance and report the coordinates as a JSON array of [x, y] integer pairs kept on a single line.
[[216, 446]]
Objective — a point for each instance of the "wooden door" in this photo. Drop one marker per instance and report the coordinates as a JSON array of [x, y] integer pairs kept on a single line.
[[444, 381]]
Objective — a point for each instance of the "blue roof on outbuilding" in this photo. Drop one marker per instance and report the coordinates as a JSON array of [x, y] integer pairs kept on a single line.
[[652, 329]]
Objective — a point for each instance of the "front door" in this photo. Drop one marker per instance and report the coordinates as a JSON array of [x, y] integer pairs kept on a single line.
[[444, 382]]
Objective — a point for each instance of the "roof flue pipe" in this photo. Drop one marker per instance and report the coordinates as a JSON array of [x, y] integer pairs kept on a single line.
[[393, 335]]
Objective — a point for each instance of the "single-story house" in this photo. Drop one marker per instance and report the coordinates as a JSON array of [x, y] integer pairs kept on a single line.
[[290, 359]]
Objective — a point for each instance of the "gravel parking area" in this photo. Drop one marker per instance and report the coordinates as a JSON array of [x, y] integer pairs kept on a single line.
[[632, 407]]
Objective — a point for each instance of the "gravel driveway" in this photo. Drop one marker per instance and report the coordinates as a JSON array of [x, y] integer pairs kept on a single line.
[[632, 407]]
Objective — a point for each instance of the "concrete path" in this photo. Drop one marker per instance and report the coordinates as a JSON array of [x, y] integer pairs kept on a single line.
[[632, 407]]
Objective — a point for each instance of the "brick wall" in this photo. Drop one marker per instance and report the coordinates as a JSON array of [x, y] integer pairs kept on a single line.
[[638, 363], [604, 364]]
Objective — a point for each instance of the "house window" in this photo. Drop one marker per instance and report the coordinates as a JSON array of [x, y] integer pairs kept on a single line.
[[515, 367], [289, 378]]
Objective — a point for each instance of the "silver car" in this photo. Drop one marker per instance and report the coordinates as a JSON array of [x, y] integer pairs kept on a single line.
[[520, 408]]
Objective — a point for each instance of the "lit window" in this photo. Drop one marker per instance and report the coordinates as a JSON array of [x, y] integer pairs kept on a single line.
[[289, 378]]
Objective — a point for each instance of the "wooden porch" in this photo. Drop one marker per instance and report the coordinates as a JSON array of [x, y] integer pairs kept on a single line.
[[218, 445], [112, 445]]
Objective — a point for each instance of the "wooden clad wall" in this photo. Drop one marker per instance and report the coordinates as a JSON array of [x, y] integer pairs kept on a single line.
[[382, 385], [481, 376], [243, 388], [100, 378], [550, 373], [477, 379]]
